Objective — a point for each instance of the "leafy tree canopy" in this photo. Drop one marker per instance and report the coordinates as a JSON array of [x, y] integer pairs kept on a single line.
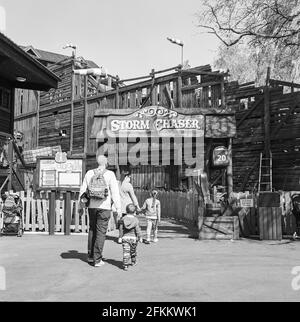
[[255, 34]]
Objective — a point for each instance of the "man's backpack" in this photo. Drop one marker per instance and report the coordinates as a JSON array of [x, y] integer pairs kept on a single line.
[[97, 187]]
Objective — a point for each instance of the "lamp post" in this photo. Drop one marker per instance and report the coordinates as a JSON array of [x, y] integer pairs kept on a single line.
[[72, 94], [179, 43]]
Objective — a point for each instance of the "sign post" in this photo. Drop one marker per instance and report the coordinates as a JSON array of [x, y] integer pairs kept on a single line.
[[60, 174], [51, 214], [68, 213]]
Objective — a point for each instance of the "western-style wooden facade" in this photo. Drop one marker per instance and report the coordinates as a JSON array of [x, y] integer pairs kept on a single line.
[[267, 120], [79, 100], [17, 70]]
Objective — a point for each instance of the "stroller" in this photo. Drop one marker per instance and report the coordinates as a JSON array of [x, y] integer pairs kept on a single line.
[[296, 212], [12, 215]]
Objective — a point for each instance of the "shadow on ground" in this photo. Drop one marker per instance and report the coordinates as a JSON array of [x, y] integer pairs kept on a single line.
[[74, 254]]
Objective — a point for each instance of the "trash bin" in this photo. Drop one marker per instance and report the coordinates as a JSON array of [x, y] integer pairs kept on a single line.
[[269, 216]]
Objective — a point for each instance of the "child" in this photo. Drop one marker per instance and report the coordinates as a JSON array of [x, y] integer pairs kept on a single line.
[[151, 208], [130, 232]]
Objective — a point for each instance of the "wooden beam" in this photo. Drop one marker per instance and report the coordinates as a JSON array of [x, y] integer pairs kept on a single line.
[[283, 83], [179, 89], [190, 87], [229, 172], [72, 108], [117, 94], [10, 160], [249, 112], [167, 89], [267, 116], [202, 72], [38, 118], [217, 178], [86, 119]]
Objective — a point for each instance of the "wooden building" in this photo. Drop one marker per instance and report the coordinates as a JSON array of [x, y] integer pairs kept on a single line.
[[80, 101], [268, 122], [18, 70]]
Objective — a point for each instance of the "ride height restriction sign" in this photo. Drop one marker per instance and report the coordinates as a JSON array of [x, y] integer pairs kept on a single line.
[[220, 156], [60, 173]]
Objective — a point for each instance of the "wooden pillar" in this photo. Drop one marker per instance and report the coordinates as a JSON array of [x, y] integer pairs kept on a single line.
[[38, 117], [72, 105], [179, 87], [153, 93], [223, 102], [10, 160], [86, 116], [51, 213], [68, 213], [267, 116], [229, 168], [117, 93]]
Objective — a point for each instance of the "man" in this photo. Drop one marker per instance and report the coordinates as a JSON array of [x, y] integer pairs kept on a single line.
[[99, 209]]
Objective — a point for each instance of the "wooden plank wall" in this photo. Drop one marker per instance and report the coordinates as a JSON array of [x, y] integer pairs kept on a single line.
[[249, 143], [26, 101], [49, 135], [63, 92]]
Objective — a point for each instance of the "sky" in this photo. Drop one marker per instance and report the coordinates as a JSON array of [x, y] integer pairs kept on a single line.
[[126, 37]]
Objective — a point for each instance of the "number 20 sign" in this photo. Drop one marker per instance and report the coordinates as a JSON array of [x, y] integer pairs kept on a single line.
[[220, 156]]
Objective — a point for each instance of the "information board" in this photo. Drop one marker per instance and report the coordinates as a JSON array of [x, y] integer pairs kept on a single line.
[[67, 175]]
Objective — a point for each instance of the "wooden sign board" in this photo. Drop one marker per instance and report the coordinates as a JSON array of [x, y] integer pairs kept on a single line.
[[247, 203], [53, 175]]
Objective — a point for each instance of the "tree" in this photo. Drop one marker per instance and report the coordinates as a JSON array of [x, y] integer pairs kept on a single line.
[[255, 34]]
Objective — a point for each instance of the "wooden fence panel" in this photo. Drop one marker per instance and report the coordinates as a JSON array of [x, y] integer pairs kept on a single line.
[[178, 205]]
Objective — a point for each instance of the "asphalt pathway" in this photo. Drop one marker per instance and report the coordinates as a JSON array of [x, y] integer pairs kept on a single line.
[[177, 268]]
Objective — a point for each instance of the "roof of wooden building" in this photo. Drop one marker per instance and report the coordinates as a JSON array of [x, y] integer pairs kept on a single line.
[[21, 70], [50, 57]]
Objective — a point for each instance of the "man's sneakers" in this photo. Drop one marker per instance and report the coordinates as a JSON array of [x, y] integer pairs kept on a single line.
[[125, 267], [155, 240], [99, 264], [119, 240]]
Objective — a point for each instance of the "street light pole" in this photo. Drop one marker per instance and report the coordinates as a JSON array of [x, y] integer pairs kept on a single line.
[[179, 43]]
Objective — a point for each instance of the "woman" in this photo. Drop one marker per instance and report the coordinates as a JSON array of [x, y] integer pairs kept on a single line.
[[127, 194]]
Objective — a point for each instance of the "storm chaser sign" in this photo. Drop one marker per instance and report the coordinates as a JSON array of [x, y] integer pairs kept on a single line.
[[152, 135], [156, 121]]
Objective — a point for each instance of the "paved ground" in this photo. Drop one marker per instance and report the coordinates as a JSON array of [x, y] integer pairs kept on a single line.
[[178, 268]]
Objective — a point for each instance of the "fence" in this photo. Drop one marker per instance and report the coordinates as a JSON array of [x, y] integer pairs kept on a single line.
[[248, 216], [36, 211], [178, 205]]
